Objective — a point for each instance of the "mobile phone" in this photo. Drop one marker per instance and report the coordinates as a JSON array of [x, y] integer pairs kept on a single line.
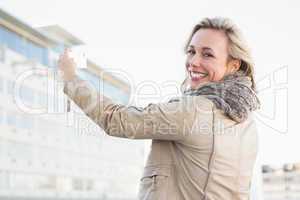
[[79, 55]]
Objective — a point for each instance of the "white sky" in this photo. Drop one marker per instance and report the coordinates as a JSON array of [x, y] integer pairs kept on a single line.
[[146, 38]]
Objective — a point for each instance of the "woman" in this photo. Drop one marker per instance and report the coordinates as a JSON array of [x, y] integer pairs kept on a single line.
[[204, 143]]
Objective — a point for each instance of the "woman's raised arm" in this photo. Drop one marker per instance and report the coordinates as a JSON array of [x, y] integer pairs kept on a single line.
[[173, 120]]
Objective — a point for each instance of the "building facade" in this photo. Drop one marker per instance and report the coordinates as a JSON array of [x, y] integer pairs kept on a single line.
[[45, 151], [281, 182]]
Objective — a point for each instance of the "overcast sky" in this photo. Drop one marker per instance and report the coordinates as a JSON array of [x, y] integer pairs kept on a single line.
[[146, 38]]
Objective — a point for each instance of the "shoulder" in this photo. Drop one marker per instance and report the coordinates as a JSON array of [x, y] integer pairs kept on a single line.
[[192, 108], [192, 101], [199, 103], [188, 106]]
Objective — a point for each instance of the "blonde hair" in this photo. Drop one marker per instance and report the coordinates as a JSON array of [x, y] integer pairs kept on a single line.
[[238, 48]]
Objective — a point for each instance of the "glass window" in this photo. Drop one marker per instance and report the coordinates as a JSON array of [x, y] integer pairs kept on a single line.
[[10, 87], [59, 48], [4, 181], [1, 84], [27, 94], [77, 184], [11, 119], [4, 149], [42, 99], [20, 151], [2, 52], [23, 46], [20, 181], [89, 185], [25, 121], [53, 58], [104, 87], [1, 115]]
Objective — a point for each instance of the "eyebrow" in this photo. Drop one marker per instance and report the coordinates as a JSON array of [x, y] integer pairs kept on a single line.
[[204, 48]]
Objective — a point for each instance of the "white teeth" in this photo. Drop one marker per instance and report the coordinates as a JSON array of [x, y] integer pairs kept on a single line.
[[197, 74]]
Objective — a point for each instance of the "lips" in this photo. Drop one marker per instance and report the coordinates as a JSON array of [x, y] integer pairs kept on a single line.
[[196, 76]]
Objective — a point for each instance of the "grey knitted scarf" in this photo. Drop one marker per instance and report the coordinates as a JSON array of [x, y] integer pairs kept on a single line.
[[233, 94]]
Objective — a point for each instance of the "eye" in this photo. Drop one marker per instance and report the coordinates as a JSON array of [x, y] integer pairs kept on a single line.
[[207, 55], [190, 51]]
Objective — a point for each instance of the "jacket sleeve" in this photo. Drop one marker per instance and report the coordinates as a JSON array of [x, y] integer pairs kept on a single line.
[[164, 121]]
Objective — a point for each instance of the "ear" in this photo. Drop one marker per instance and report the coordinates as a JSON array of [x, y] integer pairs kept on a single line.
[[234, 65]]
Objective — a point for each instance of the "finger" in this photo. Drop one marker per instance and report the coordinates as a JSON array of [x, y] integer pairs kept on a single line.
[[61, 62], [65, 53], [61, 59], [60, 65]]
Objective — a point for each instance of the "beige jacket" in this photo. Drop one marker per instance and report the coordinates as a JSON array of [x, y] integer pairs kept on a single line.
[[197, 152]]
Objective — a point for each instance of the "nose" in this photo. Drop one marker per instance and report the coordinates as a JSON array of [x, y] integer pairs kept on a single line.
[[194, 62]]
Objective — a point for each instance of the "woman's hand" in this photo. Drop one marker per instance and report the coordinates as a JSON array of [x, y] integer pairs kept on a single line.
[[67, 65]]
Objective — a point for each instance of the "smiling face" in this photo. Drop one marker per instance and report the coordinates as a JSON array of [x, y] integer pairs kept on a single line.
[[207, 57]]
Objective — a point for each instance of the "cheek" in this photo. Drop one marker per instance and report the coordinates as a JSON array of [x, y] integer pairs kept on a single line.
[[216, 72]]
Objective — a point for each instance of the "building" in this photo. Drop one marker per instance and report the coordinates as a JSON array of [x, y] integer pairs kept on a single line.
[[45, 151], [281, 182]]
